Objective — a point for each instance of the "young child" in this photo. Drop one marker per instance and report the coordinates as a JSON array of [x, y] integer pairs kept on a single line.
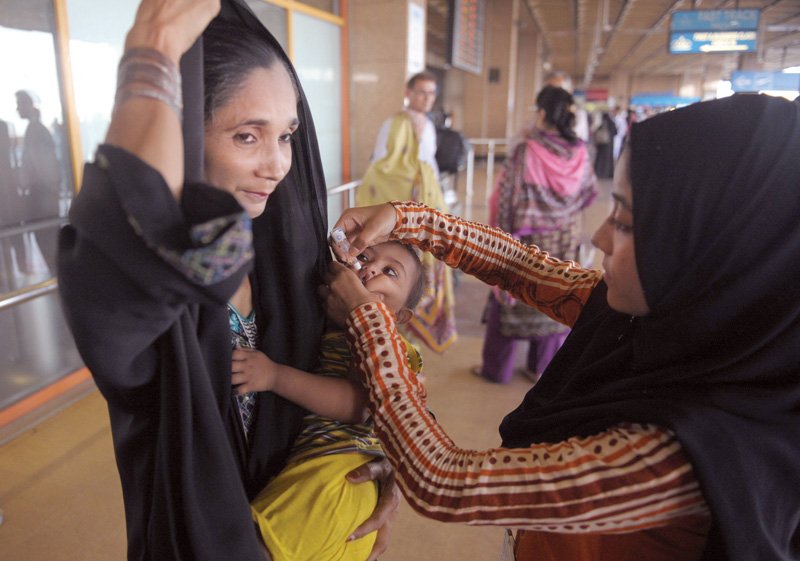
[[307, 511]]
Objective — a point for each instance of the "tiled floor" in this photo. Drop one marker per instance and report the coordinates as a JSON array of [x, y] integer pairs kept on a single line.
[[60, 493]]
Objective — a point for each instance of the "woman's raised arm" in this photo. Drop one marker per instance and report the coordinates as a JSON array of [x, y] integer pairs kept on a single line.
[[147, 113]]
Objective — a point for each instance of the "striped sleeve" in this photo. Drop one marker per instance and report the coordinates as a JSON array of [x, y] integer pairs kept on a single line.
[[557, 288], [627, 478]]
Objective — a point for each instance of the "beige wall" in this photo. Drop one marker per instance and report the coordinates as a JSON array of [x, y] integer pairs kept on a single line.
[[497, 110], [529, 78], [378, 51], [486, 104]]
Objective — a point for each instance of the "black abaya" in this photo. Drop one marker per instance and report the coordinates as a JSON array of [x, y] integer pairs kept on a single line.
[[145, 294]]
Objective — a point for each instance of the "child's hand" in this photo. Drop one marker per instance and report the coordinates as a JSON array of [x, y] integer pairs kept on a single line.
[[252, 371]]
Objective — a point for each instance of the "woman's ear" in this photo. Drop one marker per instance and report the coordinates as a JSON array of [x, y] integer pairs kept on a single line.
[[404, 315]]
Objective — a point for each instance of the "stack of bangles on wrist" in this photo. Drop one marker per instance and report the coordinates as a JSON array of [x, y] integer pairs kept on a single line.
[[148, 73]]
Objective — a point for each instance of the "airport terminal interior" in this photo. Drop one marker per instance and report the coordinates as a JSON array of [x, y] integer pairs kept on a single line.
[[623, 60]]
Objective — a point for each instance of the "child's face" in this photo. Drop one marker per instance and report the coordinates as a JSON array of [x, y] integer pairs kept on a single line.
[[389, 271]]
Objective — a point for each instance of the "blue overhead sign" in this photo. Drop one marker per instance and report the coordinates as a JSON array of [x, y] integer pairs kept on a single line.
[[712, 42], [764, 81], [661, 100], [713, 31], [715, 20]]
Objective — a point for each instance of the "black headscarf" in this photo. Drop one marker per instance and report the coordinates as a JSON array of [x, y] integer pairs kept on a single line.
[[291, 255], [716, 197]]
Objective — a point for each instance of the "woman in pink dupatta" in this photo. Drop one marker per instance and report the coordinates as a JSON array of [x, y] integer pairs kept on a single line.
[[538, 197]]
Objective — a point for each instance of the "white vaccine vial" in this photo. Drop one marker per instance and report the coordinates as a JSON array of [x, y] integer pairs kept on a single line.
[[340, 240]]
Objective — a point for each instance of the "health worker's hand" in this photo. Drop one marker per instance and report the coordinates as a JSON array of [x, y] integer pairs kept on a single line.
[[365, 226], [385, 513]]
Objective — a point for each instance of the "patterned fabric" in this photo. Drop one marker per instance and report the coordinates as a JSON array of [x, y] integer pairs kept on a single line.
[[244, 333], [220, 245], [521, 321], [542, 186], [538, 197], [322, 436], [623, 479]]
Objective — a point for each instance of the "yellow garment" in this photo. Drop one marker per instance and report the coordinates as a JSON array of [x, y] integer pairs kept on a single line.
[[400, 175], [309, 509]]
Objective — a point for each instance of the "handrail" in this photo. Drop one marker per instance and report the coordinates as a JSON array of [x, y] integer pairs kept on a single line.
[[349, 188], [491, 143], [23, 295], [32, 226]]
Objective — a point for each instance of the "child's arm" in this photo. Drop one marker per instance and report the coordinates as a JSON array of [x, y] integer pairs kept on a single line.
[[335, 398]]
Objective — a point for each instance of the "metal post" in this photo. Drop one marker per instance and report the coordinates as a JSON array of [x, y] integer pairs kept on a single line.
[[490, 170], [470, 179]]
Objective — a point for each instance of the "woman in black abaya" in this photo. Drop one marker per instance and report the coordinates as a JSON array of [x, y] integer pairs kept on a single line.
[[150, 259]]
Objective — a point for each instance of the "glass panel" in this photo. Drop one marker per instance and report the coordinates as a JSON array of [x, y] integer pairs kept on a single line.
[[97, 33], [36, 187], [319, 66], [331, 6], [36, 348], [274, 18], [36, 182]]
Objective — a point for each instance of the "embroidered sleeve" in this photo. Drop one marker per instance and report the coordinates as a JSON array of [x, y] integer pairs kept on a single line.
[[557, 288], [217, 247], [626, 478], [206, 236]]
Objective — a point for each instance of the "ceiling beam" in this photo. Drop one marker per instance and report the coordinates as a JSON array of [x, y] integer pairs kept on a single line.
[[653, 29]]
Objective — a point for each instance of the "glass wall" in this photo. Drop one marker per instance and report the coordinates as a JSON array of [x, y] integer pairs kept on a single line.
[[319, 66], [97, 34], [274, 18], [36, 153], [36, 187]]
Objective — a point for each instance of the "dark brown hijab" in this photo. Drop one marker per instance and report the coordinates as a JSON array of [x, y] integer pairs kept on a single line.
[[716, 196]]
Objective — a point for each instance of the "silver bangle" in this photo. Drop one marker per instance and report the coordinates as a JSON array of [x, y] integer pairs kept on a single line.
[[148, 73]]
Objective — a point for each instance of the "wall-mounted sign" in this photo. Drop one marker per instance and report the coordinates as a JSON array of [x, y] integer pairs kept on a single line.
[[713, 31], [416, 39], [468, 19], [764, 81]]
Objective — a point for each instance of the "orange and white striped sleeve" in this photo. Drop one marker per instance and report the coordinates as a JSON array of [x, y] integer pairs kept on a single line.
[[557, 288], [626, 478]]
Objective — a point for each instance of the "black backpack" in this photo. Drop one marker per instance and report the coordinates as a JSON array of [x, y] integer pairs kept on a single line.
[[451, 150]]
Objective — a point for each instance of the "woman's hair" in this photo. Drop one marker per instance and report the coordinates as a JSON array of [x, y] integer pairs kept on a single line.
[[557, 106], [230, 53]]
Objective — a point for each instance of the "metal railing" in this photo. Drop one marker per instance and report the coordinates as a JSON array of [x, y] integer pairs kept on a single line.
[[22, 295], [8, 231], [491, 144], [349, 188], [28, 293]]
